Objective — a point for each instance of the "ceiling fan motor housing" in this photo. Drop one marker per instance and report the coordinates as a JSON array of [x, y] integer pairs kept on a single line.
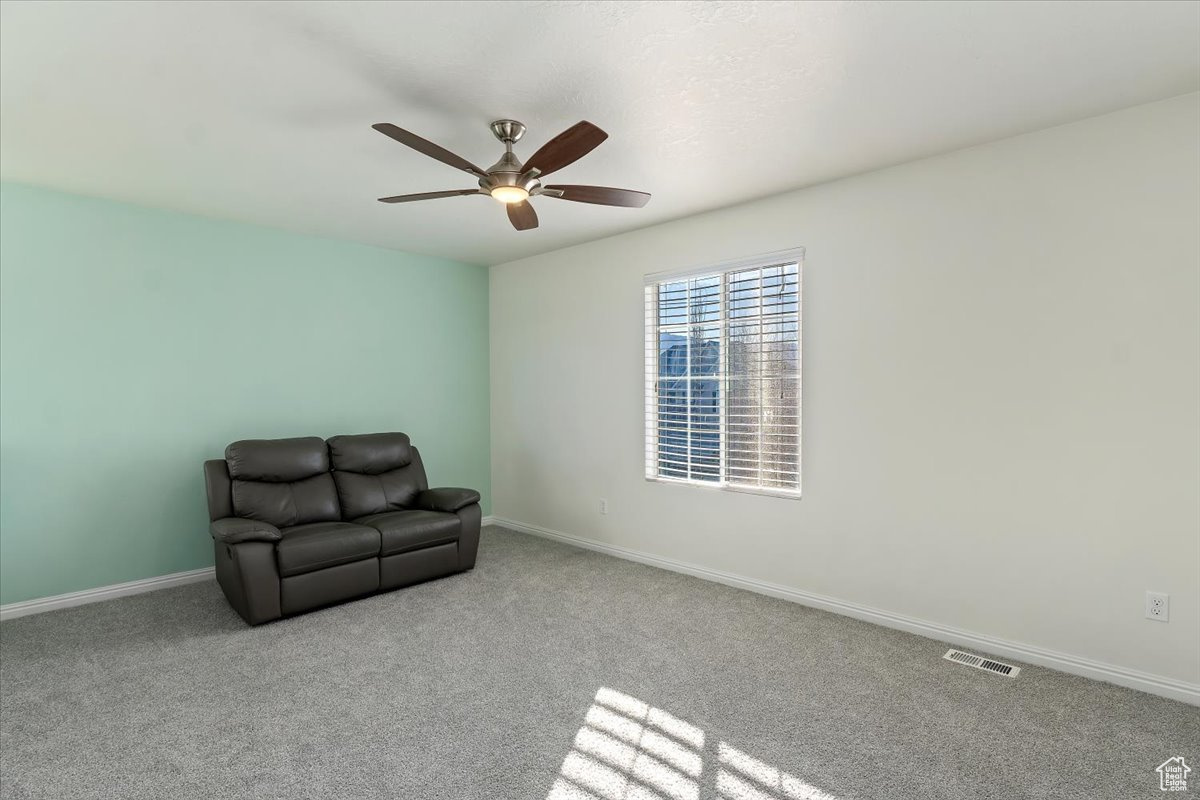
[[508, 171]]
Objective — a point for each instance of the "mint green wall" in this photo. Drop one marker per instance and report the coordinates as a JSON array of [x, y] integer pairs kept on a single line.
[[135, 343]]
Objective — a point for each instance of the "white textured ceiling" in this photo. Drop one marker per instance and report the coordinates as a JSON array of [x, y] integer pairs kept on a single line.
[[262, 111]]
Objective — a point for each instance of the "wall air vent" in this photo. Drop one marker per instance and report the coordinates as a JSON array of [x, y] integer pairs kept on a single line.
[[979, 662]]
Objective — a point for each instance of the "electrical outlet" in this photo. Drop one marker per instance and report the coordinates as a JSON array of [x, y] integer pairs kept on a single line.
[[1158, 606], [603, 506]]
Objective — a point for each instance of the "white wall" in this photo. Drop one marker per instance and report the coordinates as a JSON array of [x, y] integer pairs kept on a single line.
[[1001, 391]]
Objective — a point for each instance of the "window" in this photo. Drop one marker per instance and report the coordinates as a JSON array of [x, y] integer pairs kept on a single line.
[[723, 375]]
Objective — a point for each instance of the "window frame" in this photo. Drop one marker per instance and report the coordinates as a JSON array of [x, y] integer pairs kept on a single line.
[[651, 282]]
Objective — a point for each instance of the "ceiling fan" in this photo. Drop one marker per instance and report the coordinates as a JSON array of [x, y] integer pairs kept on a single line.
[[513, 183]]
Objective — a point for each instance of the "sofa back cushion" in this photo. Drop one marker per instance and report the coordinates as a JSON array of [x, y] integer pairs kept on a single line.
[[375, 472], [282, 481]]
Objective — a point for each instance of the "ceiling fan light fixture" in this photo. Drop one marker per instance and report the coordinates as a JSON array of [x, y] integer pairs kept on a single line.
[[510, 194]]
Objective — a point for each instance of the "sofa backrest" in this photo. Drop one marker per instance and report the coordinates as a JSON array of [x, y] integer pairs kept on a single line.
[[375, 472], [218, 488], [282, 481]]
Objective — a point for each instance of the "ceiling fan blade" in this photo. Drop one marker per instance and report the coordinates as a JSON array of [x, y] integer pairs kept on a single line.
[[408, 198], [522, 215], [428, 148], [568, 147], [600, 195]]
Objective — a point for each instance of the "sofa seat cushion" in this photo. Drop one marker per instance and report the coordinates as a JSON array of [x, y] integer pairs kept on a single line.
[[317, 545], [402, 531]]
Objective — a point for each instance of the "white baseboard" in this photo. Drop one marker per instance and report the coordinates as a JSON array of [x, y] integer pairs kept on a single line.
[[1064, 662], [43, 604]]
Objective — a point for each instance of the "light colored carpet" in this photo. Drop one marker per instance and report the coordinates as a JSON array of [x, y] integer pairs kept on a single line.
[[548, 671]]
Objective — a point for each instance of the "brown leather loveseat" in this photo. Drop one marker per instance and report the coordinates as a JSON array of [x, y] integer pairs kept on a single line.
[[302, 523]]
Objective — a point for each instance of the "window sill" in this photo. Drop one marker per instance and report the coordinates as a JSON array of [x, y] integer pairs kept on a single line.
[[783, 494]]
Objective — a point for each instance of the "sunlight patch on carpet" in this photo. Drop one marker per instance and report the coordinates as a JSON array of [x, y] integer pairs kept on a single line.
[[627, 749]]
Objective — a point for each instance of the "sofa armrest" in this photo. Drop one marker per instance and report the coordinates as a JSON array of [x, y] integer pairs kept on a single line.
[[234, 530], [249, 577], [446, 499]]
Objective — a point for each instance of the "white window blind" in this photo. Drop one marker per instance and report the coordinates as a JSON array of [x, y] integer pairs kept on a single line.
[[723, 375]]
